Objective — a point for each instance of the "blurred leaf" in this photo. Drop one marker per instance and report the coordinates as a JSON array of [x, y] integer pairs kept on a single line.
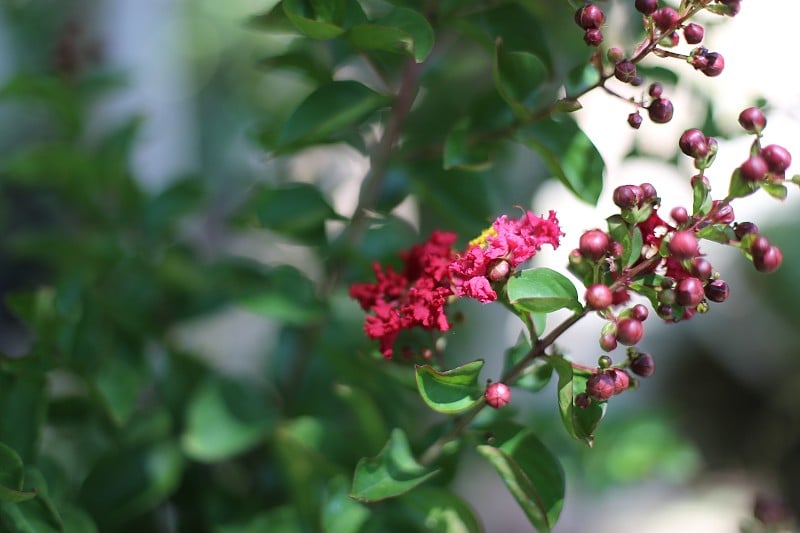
[[542, 290], [285, 294], [530, 471], [452, 391], [401, 31], [391, 473], [333, 107], [283, 519], [127, 482], [23, 405], [304, 61], [225, 418], [416, 25], [518, 76], [518, 28], [12, 477], [118, 383], [580, 79], [537, 374], [568, 153], [436, 509], [76, 519], [319, 22], [463, 200], [296, 210], [340, 513], [459, 152], [580, 423], [300, 445], [368, 413]]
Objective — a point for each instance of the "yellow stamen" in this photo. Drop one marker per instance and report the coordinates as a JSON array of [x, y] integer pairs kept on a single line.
[[480, 240]]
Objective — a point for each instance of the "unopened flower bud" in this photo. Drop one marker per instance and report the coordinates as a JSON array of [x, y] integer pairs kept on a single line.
[[497, 395]]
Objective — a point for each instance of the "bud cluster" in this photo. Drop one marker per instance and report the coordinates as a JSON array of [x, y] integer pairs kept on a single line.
[[662, 260], [663, 27]]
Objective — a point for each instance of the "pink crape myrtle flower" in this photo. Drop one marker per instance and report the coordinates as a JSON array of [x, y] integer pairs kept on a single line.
[[415, 297], [511, 240]]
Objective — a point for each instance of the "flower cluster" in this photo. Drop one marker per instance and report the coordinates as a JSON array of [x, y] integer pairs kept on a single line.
[[500, 249], [414, 297], [433, 273]]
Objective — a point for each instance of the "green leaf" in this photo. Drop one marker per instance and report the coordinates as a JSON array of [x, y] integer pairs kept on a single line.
[[701, 199], [629, 236], [721, 233], [319, 25], [580, 423], [452, 391], [370, 418], [12, 477], [529, 470], [537, 374], [542, 290], [23, 399], [740, 187], [518, 77], [581, 78], [304, 61], [332, 108], [393, 472], [128, 482], [296, 210], [340, 513], [300, 448], [775, 189], [568, 153], [517, 27], [403, 30], [287, 295], [225, 418], [438, 509], [119, 383], [459, 152]]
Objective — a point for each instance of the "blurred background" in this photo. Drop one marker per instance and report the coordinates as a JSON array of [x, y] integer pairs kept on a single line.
[[155, 287]]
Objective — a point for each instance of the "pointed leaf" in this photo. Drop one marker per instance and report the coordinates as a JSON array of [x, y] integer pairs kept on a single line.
[[542, 290], [740, 187], [336, 106], [568, 153], [391, 473], [775, 189], [530, 471], [580, 423], [452, 391]]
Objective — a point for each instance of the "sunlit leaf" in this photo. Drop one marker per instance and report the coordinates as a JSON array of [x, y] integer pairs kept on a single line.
[[542, 290], [452, 391]]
